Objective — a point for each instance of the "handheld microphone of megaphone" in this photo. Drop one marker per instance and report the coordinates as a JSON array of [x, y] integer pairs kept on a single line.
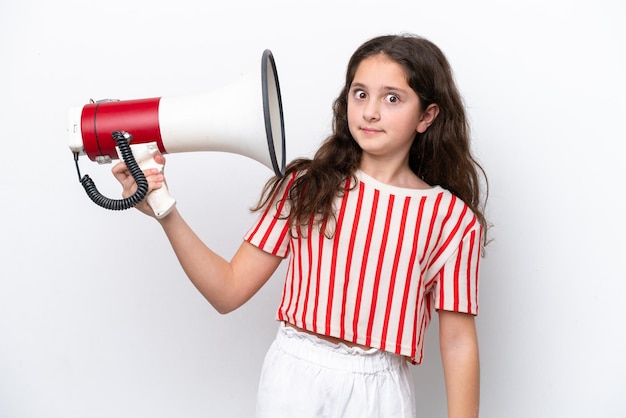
[[232, 119]]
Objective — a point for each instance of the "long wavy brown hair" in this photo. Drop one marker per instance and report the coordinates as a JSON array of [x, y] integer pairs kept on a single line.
[[439, 156]]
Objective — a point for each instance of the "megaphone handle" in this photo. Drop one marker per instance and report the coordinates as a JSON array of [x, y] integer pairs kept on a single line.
[[159, 200]]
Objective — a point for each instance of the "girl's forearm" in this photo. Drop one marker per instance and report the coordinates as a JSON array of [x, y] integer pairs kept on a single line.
[[462, 376], [461, 364], [225, 284], [211, 274]]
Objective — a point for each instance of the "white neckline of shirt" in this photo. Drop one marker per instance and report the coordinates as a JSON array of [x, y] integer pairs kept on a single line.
[[367, 179]]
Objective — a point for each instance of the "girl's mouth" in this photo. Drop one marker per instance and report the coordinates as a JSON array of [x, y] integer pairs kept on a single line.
[[369, 130]]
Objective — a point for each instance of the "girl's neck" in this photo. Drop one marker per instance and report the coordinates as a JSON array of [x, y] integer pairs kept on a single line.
[[394, 174]]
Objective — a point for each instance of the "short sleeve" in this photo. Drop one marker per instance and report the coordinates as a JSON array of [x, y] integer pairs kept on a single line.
[[456, 287], [270, 232]]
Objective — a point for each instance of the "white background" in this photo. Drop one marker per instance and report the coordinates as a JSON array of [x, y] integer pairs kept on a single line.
[[98, 320]]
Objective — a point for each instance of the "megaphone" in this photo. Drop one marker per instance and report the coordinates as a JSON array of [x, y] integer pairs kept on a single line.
[[235, 119]]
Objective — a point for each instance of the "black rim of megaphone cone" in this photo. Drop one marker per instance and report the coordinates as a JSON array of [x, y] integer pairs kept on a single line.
[[269, 58]]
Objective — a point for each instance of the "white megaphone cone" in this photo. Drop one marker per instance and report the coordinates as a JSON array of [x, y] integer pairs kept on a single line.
[[244, 118]]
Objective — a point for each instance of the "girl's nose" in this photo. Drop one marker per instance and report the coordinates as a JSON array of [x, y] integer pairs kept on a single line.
[[371, 111]]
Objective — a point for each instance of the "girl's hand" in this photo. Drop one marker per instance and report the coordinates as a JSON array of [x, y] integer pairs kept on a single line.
[[155, 179]]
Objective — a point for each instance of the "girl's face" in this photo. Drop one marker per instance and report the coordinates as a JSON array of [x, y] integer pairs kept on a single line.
[[384, 113]]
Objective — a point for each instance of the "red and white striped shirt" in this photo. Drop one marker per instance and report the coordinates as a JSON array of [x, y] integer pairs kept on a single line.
[[396, 255]]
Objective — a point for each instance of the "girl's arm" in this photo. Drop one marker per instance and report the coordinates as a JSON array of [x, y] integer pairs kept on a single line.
[[226, 285], [459, 354]]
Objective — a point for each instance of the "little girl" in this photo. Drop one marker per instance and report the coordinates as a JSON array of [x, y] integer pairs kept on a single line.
[[382, 228]]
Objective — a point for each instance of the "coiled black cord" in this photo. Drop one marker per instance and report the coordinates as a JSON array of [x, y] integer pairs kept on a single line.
[[122, 139]]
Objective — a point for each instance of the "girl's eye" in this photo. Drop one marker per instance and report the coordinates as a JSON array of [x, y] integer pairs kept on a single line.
[[392, 98], [359, 94]]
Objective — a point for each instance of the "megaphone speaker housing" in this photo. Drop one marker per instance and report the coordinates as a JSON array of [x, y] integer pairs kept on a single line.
[[233, 119]]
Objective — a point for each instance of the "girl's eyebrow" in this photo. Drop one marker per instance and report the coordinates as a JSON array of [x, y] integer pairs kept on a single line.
[[360, 85], [385, 88]]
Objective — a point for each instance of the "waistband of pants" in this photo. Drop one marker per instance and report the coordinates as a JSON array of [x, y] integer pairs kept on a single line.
[[337, 356]]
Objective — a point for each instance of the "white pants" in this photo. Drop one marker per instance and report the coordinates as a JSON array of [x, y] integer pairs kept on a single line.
[[305, 376]]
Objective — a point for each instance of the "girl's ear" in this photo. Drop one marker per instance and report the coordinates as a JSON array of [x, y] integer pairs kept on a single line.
[[428, 117]]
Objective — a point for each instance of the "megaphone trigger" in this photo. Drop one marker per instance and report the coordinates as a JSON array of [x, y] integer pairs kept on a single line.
[[159, 200]]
